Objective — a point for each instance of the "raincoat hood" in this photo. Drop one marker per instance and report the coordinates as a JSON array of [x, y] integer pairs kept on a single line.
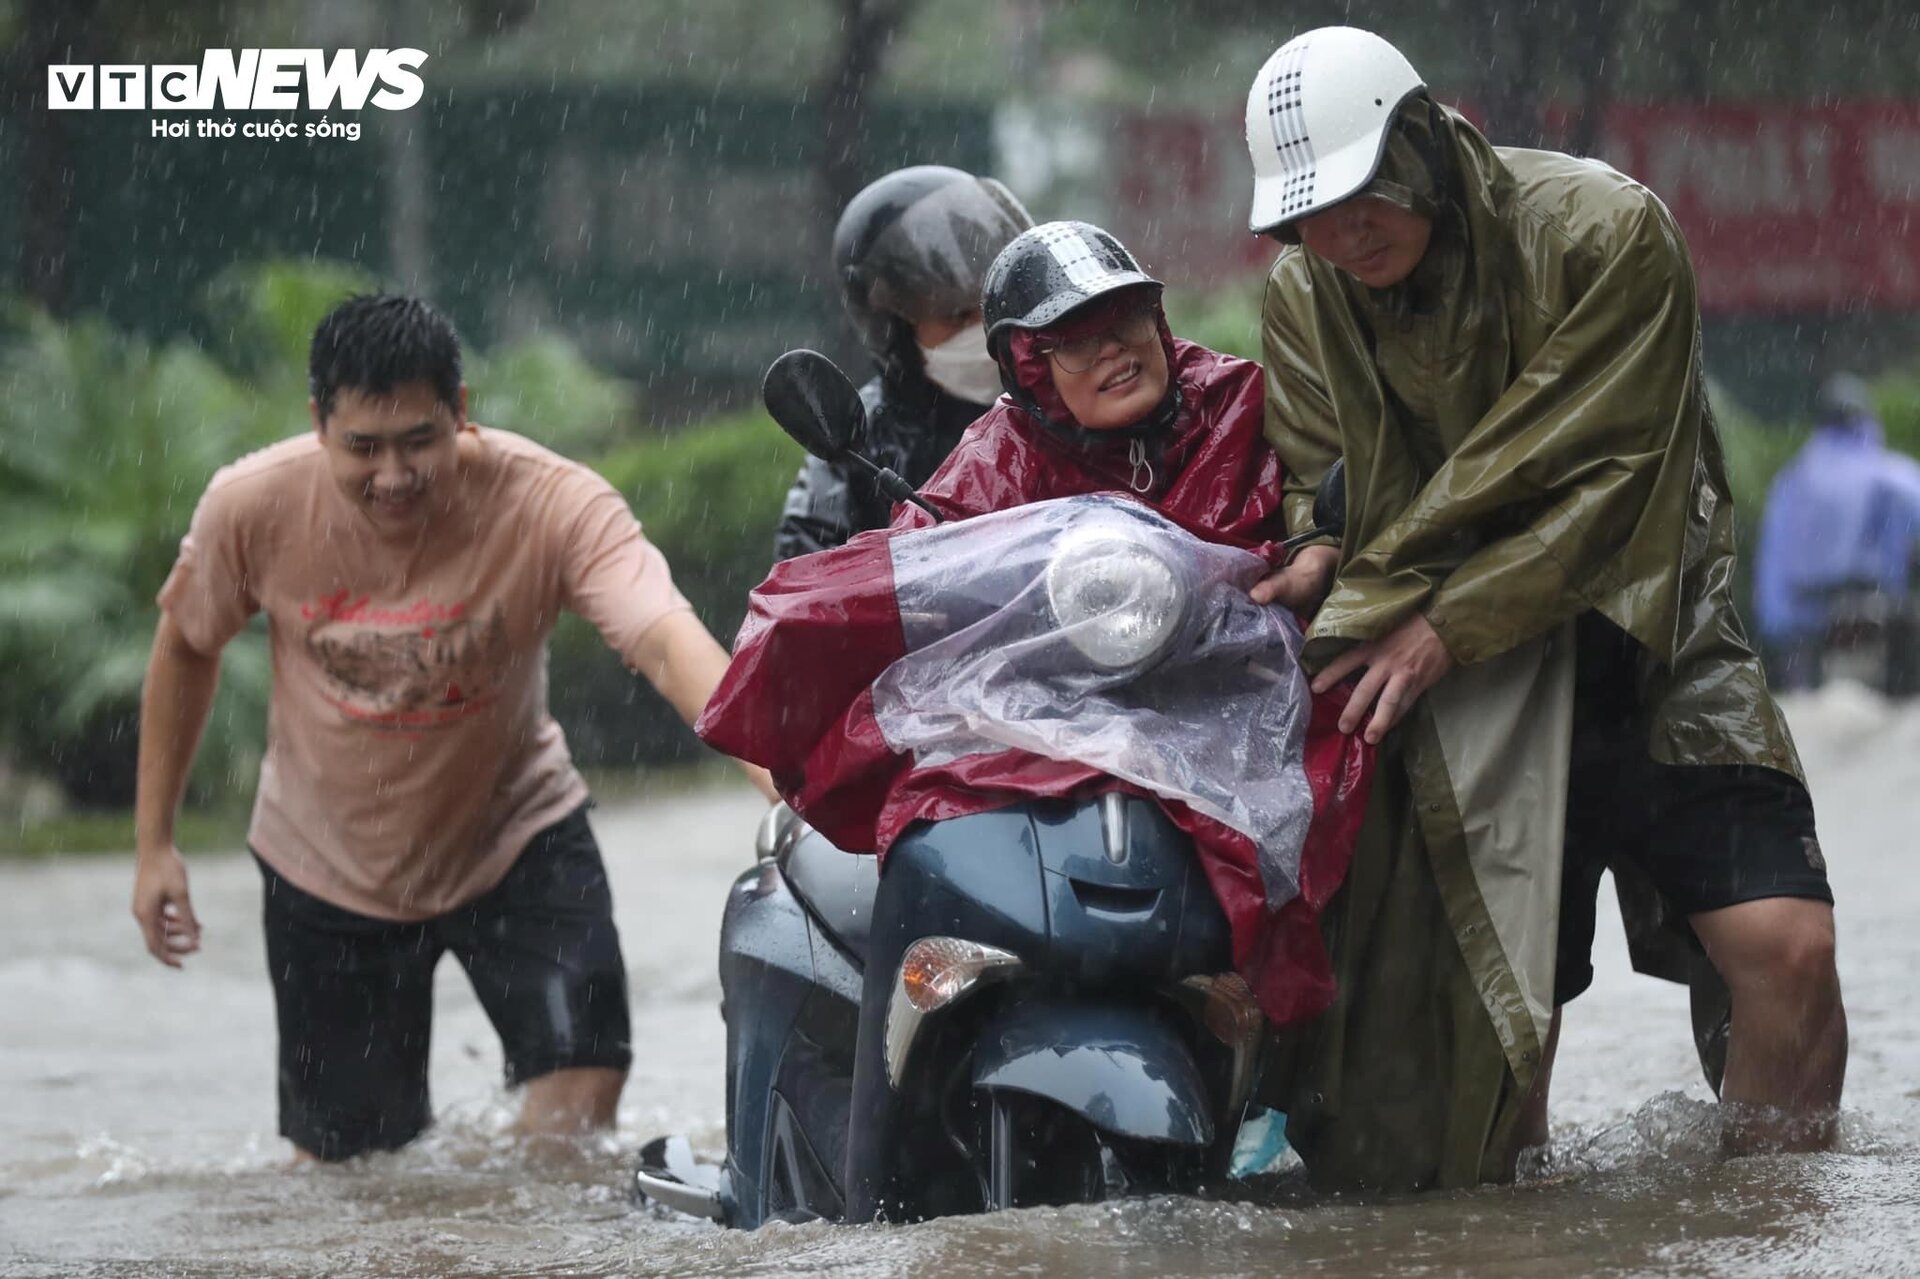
[[1208, 469]]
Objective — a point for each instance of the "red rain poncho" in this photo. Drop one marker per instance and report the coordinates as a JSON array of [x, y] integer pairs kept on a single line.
[[798, 699]]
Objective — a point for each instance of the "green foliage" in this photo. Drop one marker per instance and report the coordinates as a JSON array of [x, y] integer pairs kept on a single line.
[[110, 830], [266, 313], [105, 444], [1227, 320], [1897, 396], [709, 498], [546, 390], [1755, 450]]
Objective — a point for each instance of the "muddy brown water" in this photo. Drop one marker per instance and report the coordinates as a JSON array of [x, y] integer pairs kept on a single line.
[[137, 1125]]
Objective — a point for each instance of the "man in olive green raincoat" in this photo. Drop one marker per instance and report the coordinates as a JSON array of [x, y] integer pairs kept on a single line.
[[1534, 588]]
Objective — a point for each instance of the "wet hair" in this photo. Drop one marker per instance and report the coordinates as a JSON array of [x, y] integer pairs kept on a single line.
[[372, 343]]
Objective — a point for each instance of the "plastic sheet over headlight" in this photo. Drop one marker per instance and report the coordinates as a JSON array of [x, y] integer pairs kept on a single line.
[[1115, 600]]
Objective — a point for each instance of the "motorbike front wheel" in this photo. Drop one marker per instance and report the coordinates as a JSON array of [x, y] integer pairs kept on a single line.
[[1040, 1154]]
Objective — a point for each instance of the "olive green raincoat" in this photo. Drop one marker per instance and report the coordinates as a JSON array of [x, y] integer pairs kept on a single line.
[[1527, 438]]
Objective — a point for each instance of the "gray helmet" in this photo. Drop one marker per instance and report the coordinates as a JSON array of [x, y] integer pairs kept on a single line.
[[1844, 397], [915, 245]]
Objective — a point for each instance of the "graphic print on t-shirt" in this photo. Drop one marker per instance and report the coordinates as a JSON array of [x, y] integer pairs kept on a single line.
[[419, 665]]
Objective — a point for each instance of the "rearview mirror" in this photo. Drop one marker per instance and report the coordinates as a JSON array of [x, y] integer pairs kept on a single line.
[[1330, 500], [819, 406], [1329, 509], [815, 403]]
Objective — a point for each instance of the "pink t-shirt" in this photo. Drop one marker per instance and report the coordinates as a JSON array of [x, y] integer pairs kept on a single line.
[[410, 753]]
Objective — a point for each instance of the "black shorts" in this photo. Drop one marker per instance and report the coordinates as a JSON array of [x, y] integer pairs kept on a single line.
[[355, 994], [1707, 836]]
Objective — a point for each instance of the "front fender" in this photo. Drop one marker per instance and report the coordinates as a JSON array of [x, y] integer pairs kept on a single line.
[[1117, 1065]]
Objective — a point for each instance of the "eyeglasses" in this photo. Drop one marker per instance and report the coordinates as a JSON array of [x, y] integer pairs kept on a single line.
[[1081, 354]]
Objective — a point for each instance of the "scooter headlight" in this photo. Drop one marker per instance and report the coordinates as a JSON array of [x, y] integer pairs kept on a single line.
[[1116, 601], [933, 973]]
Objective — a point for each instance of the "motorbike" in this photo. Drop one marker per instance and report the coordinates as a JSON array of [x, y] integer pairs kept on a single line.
[[1051, 986], [1871, 637]]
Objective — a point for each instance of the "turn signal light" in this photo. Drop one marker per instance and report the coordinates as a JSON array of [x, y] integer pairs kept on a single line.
[[938, 970], [1227, 1007], [934, 972]]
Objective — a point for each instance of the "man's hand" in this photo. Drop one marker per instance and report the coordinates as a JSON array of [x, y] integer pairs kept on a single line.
[[1406, 662], [762, 779], [1302, 584], [173, 709], [162, 907]]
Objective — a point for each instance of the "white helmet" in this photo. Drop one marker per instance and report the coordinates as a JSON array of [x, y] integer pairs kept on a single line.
[[1317, 119]]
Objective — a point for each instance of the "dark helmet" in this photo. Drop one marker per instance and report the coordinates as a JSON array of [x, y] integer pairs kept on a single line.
[[1055, 268], [915, 245]]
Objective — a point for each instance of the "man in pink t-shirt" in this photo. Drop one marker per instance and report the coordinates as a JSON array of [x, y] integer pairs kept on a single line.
[[416, 796]]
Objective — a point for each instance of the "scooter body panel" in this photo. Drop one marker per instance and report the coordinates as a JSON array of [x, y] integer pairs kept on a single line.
[[1101, 898], [784, 988]]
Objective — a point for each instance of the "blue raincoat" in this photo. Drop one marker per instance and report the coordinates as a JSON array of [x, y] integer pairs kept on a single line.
[[1846, 508]]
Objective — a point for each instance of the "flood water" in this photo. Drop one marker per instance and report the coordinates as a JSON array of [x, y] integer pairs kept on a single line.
[[137, 1131]]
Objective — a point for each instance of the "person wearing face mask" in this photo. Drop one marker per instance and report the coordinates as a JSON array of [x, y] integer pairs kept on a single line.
[[1534, 592], [909, 252]]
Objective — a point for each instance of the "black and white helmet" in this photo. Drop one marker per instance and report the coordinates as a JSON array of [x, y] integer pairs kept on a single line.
[[1050, 270]]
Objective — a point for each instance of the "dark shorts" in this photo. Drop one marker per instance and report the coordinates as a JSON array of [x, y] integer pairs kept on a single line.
[[1708, 837], [355, 994]]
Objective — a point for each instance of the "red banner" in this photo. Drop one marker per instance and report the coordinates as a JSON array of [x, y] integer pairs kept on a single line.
[[1786, 207]]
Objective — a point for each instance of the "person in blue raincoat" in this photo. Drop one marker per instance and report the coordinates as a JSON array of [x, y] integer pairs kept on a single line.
[[1845, 510]]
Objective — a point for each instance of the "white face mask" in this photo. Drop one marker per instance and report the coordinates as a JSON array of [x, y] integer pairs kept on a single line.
[[961, 367]]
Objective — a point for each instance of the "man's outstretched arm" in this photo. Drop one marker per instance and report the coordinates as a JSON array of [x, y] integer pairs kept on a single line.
[[685, 663], [174, 705]]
